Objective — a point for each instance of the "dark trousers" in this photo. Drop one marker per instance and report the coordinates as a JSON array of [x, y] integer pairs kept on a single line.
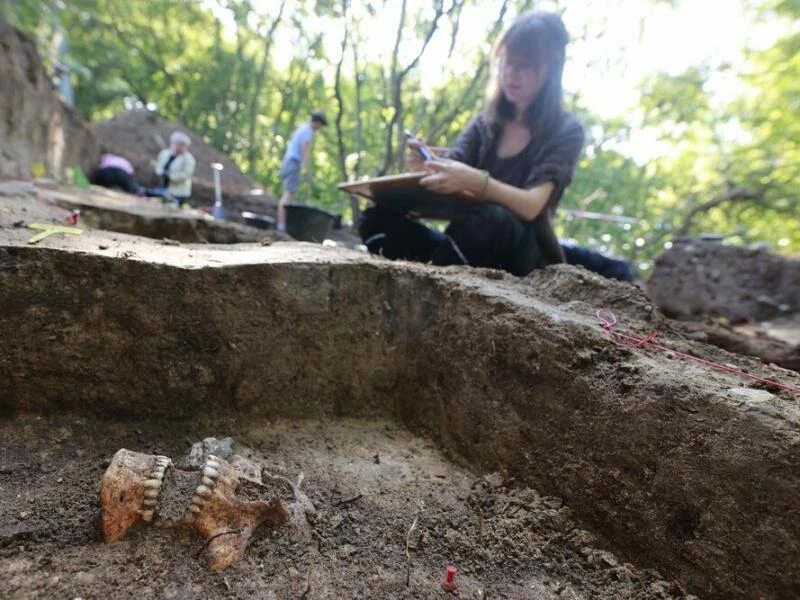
[[489, 236], [612, 268], [111, 177]]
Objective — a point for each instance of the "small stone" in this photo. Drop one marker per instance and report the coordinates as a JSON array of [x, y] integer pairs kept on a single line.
[[209, 446], [607, 558], [346, 551], [494, 480], [84, 578], [553, 502], [750, 395]]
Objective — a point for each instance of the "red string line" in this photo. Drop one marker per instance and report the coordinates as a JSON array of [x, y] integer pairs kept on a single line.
[[608, 320]]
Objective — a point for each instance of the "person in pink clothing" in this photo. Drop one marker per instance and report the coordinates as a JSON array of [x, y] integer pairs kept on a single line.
[[115, 171]]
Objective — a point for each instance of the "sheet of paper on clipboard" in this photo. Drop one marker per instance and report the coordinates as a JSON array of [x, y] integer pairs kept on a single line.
[[404, 194]]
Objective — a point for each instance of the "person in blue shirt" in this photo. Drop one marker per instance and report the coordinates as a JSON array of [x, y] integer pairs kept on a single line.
[[297, 161]]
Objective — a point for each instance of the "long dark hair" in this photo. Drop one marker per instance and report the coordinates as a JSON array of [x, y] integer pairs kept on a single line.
[[540, 38]]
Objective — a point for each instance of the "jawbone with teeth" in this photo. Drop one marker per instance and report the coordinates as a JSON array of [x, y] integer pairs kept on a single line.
[[140, 487], [129, 491]]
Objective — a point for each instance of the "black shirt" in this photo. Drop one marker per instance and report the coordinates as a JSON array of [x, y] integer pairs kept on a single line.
[[553, 159]]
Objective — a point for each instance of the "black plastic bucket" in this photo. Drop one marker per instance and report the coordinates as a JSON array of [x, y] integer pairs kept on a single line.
[[308, 223], [258, 220]]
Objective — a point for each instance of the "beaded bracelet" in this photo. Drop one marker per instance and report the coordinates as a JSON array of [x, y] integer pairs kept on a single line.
[[485, 181]]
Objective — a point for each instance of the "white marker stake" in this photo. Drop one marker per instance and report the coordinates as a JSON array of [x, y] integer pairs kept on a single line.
[[218, 212]]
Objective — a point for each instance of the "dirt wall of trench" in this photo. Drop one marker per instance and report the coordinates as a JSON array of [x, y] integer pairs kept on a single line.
[[35, 126], [670, 463]]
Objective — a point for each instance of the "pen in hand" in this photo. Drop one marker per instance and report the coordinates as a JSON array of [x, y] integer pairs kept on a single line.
[[423, 150]]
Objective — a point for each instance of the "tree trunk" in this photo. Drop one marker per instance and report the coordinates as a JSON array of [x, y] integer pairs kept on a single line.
[[359, 79], [397, 78], [396, 83], [339, 101], [260, 79], [340, 113]]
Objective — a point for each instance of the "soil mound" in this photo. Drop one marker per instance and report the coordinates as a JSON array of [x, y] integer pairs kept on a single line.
[[709, 278], [139, 135], [35, 126]]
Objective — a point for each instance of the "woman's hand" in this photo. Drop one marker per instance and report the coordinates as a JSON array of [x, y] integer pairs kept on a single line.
[[414, 161], [451, 177]]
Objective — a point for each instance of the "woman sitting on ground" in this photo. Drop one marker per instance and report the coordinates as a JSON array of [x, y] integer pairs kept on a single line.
[[175, 165], [514, 160]]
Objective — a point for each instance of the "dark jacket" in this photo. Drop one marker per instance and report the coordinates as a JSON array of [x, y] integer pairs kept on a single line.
[[553, 159]]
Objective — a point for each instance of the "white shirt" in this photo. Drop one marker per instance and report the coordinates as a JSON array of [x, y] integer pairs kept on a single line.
[[180, 172]]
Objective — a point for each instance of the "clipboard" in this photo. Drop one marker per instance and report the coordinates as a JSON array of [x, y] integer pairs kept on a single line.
[[403, 193]]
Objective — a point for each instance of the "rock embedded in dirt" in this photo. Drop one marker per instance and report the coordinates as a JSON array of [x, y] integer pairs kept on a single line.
[[748, 395], [495, 480], [200, 451]]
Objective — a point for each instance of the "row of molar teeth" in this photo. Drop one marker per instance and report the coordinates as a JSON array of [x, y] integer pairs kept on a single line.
[[152, 487], [208, 481]]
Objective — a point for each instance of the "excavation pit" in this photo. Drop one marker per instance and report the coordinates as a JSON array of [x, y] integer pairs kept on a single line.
[[532, 453]]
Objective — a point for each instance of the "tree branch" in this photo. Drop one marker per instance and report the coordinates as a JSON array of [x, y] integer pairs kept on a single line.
[[428, 36], [734, 195], [359, 122], [398, 77], [435, 128]]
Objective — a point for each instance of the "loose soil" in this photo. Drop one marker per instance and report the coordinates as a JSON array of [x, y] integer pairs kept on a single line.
[[370, 481]]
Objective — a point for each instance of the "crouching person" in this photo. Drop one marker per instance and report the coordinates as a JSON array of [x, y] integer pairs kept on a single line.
[[116, 172]]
